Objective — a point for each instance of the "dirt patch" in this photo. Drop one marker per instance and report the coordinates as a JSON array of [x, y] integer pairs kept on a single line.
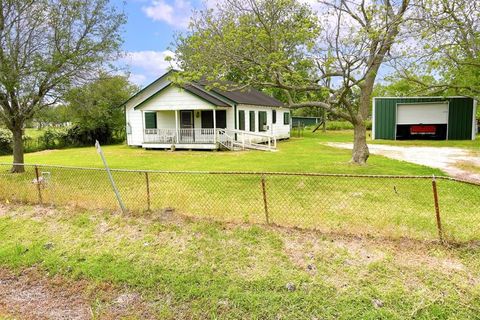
[[303, 247], [32, 295], [446, 159]]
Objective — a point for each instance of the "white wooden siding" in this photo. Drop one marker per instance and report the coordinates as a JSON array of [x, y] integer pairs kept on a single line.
[[174, 98], [135, 120], [166, 119], [279, 130]]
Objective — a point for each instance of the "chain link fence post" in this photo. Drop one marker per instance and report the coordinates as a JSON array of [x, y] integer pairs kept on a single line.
[[148, 191], [38, 183], [437, 209], [265, 203], [110, 177]]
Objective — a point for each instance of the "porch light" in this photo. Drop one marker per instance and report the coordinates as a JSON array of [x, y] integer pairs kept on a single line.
[[197, 114]]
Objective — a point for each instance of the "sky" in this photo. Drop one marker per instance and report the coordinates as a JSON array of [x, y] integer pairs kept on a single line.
[[149, 33]]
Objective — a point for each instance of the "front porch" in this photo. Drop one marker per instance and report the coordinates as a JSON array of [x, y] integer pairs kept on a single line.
[[203, 138], [184, 129], [199, 129]]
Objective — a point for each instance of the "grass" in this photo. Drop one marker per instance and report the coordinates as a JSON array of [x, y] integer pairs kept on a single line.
[[306, 154], [392, 208], [381, 207], [205, 270]]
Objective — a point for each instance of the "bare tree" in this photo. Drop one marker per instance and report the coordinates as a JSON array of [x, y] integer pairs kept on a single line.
[[334, 54], [45, 47], [447, 34]]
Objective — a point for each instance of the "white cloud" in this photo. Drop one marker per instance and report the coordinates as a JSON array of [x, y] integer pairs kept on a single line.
[[138, 79], [147, 65], [176, 14], [151, 61]]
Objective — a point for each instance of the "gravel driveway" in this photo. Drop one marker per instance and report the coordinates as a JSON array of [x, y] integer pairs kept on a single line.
[[445, 158]]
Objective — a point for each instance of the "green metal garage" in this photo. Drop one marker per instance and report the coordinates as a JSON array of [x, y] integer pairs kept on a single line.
[[437, 118]]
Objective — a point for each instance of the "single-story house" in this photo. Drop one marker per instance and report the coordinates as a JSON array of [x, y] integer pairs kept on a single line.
[[192, 116], [438, 118]]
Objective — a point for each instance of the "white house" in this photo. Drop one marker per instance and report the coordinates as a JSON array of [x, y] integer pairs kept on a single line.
[[166, 115]]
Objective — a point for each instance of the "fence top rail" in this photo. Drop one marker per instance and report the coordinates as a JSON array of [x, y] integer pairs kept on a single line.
[[265, 173]]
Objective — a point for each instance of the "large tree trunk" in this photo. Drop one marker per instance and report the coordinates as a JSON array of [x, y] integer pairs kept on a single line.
[[360, 151], [18, 150]]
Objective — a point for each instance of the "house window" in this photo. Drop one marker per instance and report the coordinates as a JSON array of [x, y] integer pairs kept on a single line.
[[207, 119], [252, 121], [241, 119], [274, 116], [150, 120], [262, 121], [286, 118], [221, 118], [129, 128]]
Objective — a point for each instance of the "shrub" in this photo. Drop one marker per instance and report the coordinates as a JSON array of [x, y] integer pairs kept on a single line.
[[345, 125], [81, 136], [54, 137], [6, 140]]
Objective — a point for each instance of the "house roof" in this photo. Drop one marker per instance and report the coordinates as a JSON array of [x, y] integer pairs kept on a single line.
[[205, 96], [248, 95], [217, 97], [156, 81]]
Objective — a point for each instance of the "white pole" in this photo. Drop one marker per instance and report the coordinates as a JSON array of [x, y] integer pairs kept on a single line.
[[214, 127], [112, 182], [176, 126]]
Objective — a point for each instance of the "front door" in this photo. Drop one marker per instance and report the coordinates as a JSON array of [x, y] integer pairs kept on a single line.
[[186, 126]]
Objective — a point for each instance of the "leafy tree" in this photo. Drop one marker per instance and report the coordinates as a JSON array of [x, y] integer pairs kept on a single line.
[[46, 46], [95, 108], [284, 44], [396, 86], [55, 115]]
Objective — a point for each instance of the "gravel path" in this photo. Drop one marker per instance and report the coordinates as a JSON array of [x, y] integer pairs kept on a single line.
[[444, 158]]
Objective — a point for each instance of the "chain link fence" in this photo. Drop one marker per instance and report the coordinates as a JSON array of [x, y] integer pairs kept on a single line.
[[419, 207]]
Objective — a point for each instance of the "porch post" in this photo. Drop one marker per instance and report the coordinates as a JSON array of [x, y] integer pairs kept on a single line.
[[143, 126], [214, 126], [176, 126]]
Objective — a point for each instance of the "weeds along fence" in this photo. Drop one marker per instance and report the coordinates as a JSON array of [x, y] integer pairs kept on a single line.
[[394, 206]]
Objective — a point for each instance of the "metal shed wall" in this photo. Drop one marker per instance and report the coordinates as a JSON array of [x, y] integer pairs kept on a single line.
[[460, 116]]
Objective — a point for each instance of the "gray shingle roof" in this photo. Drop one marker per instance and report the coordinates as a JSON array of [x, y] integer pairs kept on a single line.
[[216, 96], [205, 96], [248, 96]]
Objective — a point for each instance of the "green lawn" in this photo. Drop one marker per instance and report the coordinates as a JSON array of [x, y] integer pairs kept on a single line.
[[306, 154], [188, 269], [380, 207], [375, 206]]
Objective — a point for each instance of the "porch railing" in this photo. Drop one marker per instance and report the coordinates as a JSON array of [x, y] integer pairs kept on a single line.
[[172, 136], [235, 139]]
